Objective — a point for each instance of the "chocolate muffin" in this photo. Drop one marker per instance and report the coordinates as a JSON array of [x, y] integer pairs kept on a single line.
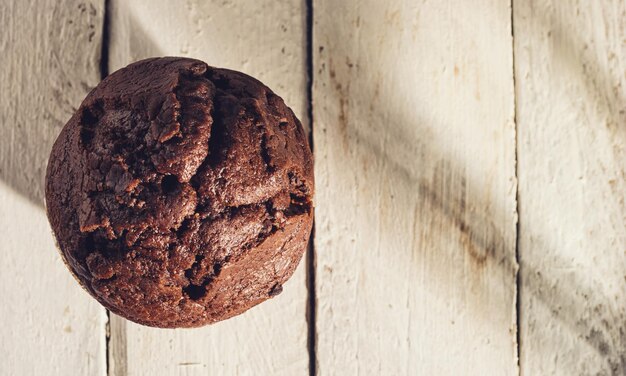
[[181, 194]]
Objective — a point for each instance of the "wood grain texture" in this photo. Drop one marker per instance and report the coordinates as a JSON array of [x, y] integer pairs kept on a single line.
[[264, 39], [415, 167], [49, 54], [570, 59]]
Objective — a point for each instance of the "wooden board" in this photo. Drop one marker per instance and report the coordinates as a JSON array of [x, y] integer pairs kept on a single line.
[[570, 62], [266, 40], [415, 114], [415, 166], [50, 53]]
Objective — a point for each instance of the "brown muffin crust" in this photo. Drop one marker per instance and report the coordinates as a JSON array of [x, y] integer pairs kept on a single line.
[[181, 194]]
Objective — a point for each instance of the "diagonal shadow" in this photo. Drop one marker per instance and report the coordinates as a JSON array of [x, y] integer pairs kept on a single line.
[[596, 70], [39, 112], [582, 60], [26, 145], [42, 87], [601, 326], [600, 323], [595, 65]]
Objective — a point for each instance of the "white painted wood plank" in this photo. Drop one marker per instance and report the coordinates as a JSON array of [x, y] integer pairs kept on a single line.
[[265, 39], [415, 168], [570, 61], [49, 54]]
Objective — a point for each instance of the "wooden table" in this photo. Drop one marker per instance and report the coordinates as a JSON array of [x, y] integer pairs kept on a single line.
[[470, 166]]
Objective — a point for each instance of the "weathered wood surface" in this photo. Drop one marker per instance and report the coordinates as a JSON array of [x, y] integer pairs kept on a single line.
[[570, 60], [415, 166], [415, 114], [49, 54], [264, 39]]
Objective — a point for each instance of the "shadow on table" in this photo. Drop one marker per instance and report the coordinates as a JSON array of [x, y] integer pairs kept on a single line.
[[594, 321], [25, 149], [583, 311], [568, 297], [37, 113]]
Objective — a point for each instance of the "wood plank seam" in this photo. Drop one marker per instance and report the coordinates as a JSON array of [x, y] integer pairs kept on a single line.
[[310, 255], [518, 287], [50, 55], [104, 71], [104, 53]]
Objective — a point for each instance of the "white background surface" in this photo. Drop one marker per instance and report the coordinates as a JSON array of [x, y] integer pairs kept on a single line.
[[470, 167]]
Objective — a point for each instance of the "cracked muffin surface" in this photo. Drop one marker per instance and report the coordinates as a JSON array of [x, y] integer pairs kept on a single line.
[[181, 194]]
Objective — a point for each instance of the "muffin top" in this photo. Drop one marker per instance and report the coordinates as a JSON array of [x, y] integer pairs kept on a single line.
[[181, 194]]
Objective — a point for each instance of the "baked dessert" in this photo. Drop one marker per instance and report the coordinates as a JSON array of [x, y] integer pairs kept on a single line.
[[181, 194]]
